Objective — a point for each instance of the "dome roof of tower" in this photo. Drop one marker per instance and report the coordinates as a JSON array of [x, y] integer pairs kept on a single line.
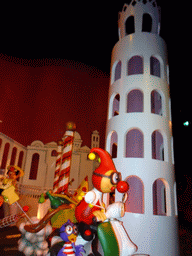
[[77, 136]]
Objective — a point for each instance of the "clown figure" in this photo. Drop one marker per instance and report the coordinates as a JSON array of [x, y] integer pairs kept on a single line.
[[110, 231], [105, 179]]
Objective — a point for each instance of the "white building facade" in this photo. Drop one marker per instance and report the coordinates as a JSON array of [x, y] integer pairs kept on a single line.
[[38, 161], [139, 129], [11, 153]]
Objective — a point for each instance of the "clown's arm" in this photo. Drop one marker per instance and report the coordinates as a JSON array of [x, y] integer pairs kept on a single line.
[[90, 197]]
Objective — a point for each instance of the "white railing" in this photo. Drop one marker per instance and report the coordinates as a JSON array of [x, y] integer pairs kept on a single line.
[[31, 191]]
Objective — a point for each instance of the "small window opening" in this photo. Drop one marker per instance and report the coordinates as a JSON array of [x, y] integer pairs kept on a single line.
[[20, 161], [13, 156], [5, 155], [135, 200], [156, 103], [113, 145], [147, 23], [155, 67], [118, 71], [34, 167], [116, 102], [159, 198], [135, 101], [157, 146], [130, 25], [134, 144], [54, 153], [135, 65]]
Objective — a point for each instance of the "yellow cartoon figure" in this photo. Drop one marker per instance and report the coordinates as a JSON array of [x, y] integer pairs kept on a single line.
[[7, 185]]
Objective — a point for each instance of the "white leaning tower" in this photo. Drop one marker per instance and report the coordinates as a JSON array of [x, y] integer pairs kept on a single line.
[[139, 129]]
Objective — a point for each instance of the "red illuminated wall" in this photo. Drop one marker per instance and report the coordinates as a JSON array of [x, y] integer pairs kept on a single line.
[[38, 97]]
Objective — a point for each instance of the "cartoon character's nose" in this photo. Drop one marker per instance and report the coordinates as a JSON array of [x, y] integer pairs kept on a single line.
[[122, 186]]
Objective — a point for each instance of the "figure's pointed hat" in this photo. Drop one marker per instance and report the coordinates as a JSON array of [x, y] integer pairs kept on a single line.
[[106, 164]]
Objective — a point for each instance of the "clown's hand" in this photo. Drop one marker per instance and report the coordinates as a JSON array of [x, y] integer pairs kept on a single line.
[[100, 215], [90, 197]]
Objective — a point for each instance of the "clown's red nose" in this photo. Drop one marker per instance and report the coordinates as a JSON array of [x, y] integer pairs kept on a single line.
[[122, 187]]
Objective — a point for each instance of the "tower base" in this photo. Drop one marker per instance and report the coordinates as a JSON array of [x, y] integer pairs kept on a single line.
[[152, 243]]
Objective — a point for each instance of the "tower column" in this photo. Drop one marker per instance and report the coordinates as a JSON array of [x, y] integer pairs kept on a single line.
[[139, 121]]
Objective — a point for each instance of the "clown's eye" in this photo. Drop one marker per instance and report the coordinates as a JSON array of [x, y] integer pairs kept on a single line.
[[115, 178], [68, 229]]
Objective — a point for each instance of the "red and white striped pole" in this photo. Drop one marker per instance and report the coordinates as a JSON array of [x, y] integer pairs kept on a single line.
[[58, 167], [66, 158]]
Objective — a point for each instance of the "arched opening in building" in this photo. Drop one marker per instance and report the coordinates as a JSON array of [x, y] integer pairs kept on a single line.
[[130, 25], [134, 144], [20, 161], [157, 146], [13, 156], [147, 23], [116, 103], [117, 75], [156, 103], [54, 153], [135, 200], [113, 145], [5, 155], [34, 167], [135, 65], [135, 101], [159, 198], [155, 68]]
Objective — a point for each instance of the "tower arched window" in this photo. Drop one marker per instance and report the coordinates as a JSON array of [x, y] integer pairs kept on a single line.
[[134, 144], [130, 25], [135, 200], [135, 65], [117, 75], [5, 155], [13, 156], [160, 200], [156, 103], [155, 68], [116, 103], [20, 161], [34, 167], [113, 145], [157, 146], [147, 23], [135, 101]]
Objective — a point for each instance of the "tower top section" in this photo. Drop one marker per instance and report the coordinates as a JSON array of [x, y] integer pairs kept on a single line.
[[139, 16]]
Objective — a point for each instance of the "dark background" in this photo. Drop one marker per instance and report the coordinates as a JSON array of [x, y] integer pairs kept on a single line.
[[85, 32]]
